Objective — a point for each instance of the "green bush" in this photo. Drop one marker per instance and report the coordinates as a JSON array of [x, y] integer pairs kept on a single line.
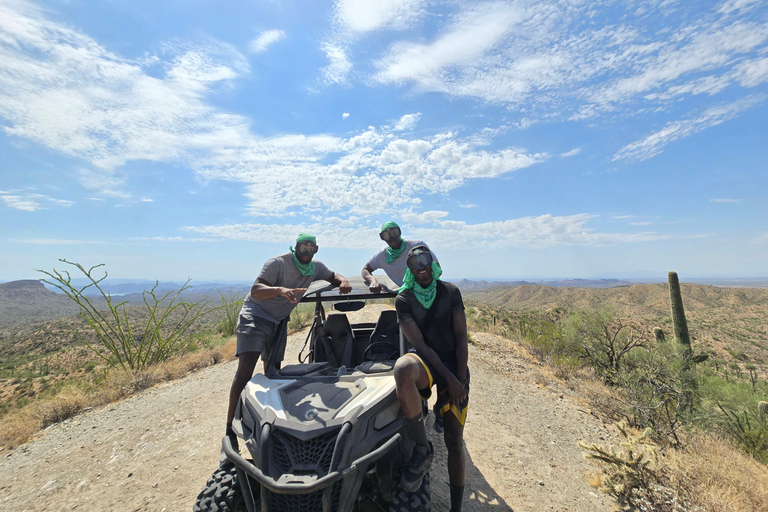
[[748, 430], [127, 342], [657, 388], [231, 303], [301, 316], [547, 341], [605, 339]]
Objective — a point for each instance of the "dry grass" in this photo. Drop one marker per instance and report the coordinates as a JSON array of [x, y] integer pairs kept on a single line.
[[718, 477], [20, 426]]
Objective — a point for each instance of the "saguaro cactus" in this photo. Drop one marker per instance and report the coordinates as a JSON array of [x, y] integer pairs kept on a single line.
[[678, 313]]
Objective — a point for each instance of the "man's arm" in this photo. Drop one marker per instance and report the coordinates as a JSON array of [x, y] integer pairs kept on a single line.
[[462, 348], [262, 290], [373, 284], [455, 388], [341, 281]]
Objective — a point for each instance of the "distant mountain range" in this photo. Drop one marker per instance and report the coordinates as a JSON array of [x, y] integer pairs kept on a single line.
[[471, 286]]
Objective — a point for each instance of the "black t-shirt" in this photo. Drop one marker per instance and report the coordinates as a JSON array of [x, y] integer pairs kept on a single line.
[[435, 323]]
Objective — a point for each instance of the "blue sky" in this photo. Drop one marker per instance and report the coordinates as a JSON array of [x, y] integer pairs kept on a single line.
[[521, 139]]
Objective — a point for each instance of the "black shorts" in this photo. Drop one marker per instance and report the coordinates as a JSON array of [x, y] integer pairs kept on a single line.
[[442, 390]]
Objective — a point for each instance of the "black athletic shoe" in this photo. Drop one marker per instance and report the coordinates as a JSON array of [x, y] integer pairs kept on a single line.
[[439, 427], [418, 466]]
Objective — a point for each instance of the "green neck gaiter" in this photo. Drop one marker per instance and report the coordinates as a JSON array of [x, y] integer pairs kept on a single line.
[[425, 296], [393, 254], [306, 269]]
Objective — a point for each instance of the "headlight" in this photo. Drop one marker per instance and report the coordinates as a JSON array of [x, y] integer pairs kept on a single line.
[[387, 416]]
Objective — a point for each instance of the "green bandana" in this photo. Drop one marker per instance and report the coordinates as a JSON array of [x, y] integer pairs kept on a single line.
[[425, 296], [304, 237], [393, 254], [390, 224], [306, 269]]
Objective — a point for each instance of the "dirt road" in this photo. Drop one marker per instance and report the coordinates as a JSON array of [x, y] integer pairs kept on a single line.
[[154, 451]]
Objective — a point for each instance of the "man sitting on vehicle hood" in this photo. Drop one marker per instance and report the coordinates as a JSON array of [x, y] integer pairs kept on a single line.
[[431, 316], [275, 293]]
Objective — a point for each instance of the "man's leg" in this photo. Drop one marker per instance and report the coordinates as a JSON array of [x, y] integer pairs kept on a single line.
[[245, 366], [454, 442], [410, 376]]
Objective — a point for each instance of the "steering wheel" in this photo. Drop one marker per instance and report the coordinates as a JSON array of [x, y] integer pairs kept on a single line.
[[392, 354]]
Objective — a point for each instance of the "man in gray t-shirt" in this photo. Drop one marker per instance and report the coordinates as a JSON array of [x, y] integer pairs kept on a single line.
[[392, 258], [275, 293]]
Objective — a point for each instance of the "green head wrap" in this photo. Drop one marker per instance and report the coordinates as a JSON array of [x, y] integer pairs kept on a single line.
[[387, 225], [304, 237], [425, 296]]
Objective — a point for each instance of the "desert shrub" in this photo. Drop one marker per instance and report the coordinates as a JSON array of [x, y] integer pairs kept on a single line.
[[657, 389], [65, 405], [128, 343], [546, 341], [229, 312], [749, 430], [605, 339], [301, 316]]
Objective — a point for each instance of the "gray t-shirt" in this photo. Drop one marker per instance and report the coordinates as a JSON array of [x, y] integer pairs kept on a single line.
[[396, 269], [281, 271]]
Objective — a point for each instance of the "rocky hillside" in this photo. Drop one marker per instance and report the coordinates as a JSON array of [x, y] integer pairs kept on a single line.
[[727, 321], [28, 300]]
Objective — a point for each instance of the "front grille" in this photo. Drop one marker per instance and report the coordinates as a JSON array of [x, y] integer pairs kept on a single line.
[[304, 502], [292, 455]]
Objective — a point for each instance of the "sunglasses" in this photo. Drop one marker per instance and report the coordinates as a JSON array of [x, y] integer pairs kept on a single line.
[[390, 234], [420, 260], [306, 248]]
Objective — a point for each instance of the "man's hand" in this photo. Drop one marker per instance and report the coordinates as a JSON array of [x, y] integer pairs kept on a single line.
[[374, 286], [290, 293], [456, 392], [344, 286]]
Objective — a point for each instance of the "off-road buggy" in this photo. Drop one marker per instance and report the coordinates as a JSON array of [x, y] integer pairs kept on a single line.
[[323, 435]]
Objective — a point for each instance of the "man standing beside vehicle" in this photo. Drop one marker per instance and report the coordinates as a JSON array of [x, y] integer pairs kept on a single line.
[[431, 316], [275, 293], [392, 258]]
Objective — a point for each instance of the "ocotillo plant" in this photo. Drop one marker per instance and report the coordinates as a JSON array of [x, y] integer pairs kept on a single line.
[[678, 313]]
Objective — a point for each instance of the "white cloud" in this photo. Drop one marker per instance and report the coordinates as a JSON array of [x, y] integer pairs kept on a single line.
[[737, 5], [654, 143], [471, 36], [725, 200], [542, 59], [762, 239], [265, 40], [573, 152], [408, 122], [345, 115], [430, 217], [20, 203], [643, 223], [147, 200], [339, 65], [534, 232], [361, 16], [58, 241], [198, 69], [62, 89], [30, 202]]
